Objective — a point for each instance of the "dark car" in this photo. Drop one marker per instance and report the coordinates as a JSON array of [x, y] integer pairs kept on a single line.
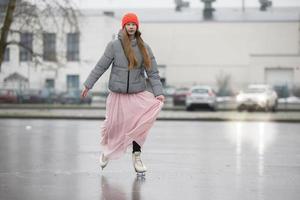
[[73, 97], [49, 96], [8, 96], [30, 96], [169, 91], [179, 96]]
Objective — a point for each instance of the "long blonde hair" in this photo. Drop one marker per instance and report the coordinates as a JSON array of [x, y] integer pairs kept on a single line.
[[129, 53]]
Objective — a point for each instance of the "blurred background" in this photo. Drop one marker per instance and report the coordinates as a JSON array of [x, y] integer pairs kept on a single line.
[[226, 59], [48, 48]]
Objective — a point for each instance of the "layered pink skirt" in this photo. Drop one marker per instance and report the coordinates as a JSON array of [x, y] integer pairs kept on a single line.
[[129, 117]]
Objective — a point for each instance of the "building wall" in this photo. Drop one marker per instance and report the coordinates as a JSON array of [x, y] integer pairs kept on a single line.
[[95, 32], [199, 52], [193, 53]]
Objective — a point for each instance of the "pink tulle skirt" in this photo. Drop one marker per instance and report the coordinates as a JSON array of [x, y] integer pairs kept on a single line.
[[129, 117]]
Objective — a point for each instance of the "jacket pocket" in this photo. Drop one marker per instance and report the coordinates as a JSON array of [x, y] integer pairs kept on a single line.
[[118, 80], [118, 75], [136, 76], [137, 81]]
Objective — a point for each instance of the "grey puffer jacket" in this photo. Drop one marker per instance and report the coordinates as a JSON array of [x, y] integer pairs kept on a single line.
[[123, 80]]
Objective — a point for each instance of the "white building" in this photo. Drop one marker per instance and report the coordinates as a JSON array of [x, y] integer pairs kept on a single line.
[[250, 46]]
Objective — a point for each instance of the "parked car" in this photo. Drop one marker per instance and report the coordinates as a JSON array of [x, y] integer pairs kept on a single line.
[[179, 96], [8, 96], [49, 96], [73, 97], [169, 91], [30, 96], [257, 97], [201, 96]]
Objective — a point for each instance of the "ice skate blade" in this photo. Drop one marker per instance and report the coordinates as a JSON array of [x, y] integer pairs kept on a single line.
[[141, 174], [103, 166]]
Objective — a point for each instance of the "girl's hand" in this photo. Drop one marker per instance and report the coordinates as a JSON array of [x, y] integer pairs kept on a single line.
[[84, 92], [161, 98]]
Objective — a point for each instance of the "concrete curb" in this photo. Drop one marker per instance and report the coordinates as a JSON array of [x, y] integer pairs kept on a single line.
[[69, 107], [167, 106], [160, 118]]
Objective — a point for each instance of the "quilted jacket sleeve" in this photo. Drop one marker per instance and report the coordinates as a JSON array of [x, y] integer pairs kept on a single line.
[[101, 66], [153, 75]]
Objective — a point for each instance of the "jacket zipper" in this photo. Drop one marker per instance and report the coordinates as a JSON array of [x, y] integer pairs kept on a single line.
[[128, 80]]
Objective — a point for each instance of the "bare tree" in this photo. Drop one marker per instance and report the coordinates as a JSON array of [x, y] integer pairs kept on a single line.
[[5, 28], [223, 82], [36, 16]]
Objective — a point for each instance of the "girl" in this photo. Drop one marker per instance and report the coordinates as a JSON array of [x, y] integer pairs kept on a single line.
[[130, 109]]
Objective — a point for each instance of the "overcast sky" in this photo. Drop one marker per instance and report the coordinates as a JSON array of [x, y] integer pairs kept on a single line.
[[170, 3]]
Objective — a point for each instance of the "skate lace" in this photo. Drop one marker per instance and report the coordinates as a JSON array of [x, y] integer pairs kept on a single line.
[[138, 160]]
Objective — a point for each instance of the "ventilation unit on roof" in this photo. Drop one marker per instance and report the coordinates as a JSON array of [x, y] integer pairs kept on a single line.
[[109, 13], [181, 4], [208, 9], [264, 4]]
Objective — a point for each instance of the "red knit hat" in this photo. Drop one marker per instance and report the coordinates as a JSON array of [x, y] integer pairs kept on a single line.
[[130, 17]]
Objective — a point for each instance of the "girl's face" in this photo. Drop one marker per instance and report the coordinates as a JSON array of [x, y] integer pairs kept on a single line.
[[131, 28]]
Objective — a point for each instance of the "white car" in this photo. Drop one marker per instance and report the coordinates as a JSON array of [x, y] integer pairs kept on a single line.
[[199, 96], [257, 97]]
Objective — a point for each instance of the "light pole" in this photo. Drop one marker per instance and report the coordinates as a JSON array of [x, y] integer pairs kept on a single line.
[[264, 4], [208, 9], [181, 4]]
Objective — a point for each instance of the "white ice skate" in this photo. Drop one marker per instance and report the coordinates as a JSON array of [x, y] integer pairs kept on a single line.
[[103, 161], [138, 165]]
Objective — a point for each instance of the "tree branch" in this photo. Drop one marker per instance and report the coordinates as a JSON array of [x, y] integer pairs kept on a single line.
[[34, 54], [37, 17], [5, 29]]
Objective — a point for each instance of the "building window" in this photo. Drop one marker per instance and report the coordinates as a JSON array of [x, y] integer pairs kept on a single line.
[[73, 46], [49, 46], [26, 45], [50, 84], [72, 82], [6, 55], [3, 5]]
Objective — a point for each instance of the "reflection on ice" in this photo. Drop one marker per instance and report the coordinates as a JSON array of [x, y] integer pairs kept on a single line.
[[238, 147], [261, 148], [251, 138], [117, 192], [111, 191]]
